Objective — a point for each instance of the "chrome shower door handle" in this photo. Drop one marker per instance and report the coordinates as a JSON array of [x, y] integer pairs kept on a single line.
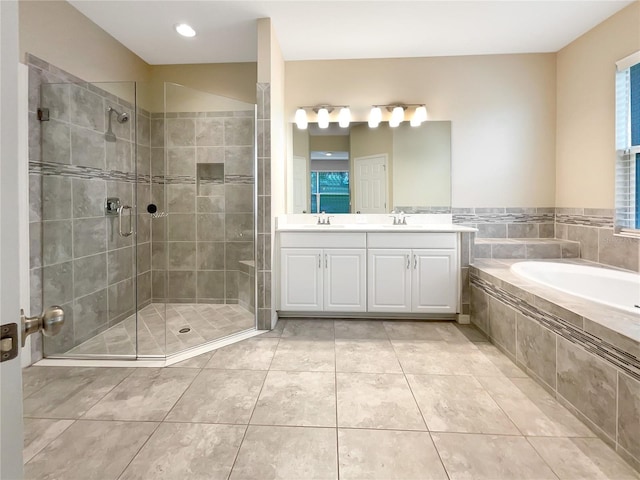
[[121, 209]]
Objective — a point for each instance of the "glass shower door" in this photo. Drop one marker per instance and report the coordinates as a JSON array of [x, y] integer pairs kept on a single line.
[[204, 246], [86, 236]]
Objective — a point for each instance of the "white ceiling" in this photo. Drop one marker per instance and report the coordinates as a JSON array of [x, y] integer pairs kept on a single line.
[[311, 30]]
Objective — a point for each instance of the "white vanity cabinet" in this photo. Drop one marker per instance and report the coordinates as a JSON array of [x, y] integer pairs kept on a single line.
[[413, 273], [323, 272]]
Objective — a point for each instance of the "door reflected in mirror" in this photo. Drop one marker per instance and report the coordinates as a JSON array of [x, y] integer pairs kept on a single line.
[[365, 170]]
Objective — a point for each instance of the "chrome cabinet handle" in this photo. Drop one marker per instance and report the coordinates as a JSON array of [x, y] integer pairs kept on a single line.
[[326, 261], [121, 209], [408, 262], [415, 262], [319, 261]]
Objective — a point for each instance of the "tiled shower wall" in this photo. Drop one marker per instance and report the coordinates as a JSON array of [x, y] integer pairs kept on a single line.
[[263, 261], [209, 228], [78, 260]]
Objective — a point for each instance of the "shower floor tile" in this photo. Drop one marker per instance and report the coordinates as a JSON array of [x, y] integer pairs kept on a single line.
[[280, 406], [159, 329]]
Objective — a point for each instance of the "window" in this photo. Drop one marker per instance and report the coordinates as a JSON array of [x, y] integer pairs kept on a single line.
[[628, 144], [330, 192]]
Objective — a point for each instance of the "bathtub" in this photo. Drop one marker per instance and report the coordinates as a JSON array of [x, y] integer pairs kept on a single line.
[[614, 288]]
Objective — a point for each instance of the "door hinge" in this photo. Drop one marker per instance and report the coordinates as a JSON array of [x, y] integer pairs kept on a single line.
[[43, 114]]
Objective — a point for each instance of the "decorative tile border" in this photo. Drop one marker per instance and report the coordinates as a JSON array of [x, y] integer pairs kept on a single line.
[[590, 343], [503, 217], [80, 171], [417, 210], [585, 220]]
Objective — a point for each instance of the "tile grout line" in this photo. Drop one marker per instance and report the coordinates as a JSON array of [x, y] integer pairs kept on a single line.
[[244, 436], [158, 426], [55, 438], [541, 457], [444, 468]]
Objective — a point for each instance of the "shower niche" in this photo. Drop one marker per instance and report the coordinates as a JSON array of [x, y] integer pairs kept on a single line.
[[173, 283]]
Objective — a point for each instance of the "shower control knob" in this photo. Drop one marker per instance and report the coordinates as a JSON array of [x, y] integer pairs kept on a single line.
[[152, 208]]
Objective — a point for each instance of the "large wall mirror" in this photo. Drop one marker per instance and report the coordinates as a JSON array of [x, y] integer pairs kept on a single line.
[[370, 170]]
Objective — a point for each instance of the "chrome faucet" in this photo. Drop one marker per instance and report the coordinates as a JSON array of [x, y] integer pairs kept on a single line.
[[399, 218], [324, 219]]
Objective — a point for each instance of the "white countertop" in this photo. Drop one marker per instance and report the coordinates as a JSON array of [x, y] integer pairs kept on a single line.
[[386, 228]]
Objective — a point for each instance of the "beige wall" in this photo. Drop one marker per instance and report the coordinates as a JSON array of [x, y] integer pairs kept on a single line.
[[502, 108], [64, 37], [585, 149], [334, 143], [300, 145], [61, 35], [367, 141], [422, 165], [271, 70], [236, 81]]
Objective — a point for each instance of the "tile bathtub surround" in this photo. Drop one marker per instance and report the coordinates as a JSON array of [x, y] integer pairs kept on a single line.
[[77, 258], [507, 222], [590, 369], [231, 414], [593, 229]]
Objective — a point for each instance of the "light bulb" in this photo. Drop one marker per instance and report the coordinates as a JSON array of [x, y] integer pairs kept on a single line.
[[375, 117], [344, 118], [323, 118], [185, 30], [301, 119], [397, 116], [419, 116]]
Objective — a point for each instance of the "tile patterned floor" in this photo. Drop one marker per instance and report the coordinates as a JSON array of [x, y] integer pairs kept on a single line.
[[313, 399], [158, 330]]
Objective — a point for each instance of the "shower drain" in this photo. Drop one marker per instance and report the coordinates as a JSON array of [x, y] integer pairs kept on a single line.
[[184, 330]]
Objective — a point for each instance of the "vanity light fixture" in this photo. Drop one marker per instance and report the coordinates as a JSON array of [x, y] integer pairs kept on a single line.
[[185, 30], [344, 117], [419, 116], [323, 112], [375, 117], [397, 115], [301, 119]]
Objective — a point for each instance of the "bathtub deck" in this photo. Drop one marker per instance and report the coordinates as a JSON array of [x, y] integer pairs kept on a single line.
[[587, 355]]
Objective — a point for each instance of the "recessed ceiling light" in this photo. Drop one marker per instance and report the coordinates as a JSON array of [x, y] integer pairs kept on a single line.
[[328, 154], [185, 30]]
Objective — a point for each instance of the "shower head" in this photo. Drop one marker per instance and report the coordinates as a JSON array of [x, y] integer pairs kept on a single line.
[[120, 117]]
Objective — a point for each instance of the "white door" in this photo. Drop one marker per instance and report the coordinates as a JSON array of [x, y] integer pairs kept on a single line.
[[301, 270], [11, 437], [371, 184], [345, 274], [300, 185], [435, 282], [389, 280]]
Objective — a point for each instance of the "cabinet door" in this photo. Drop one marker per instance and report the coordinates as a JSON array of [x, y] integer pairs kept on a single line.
[[345, 288], [389, 280], [301, 279], [434, 281]]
